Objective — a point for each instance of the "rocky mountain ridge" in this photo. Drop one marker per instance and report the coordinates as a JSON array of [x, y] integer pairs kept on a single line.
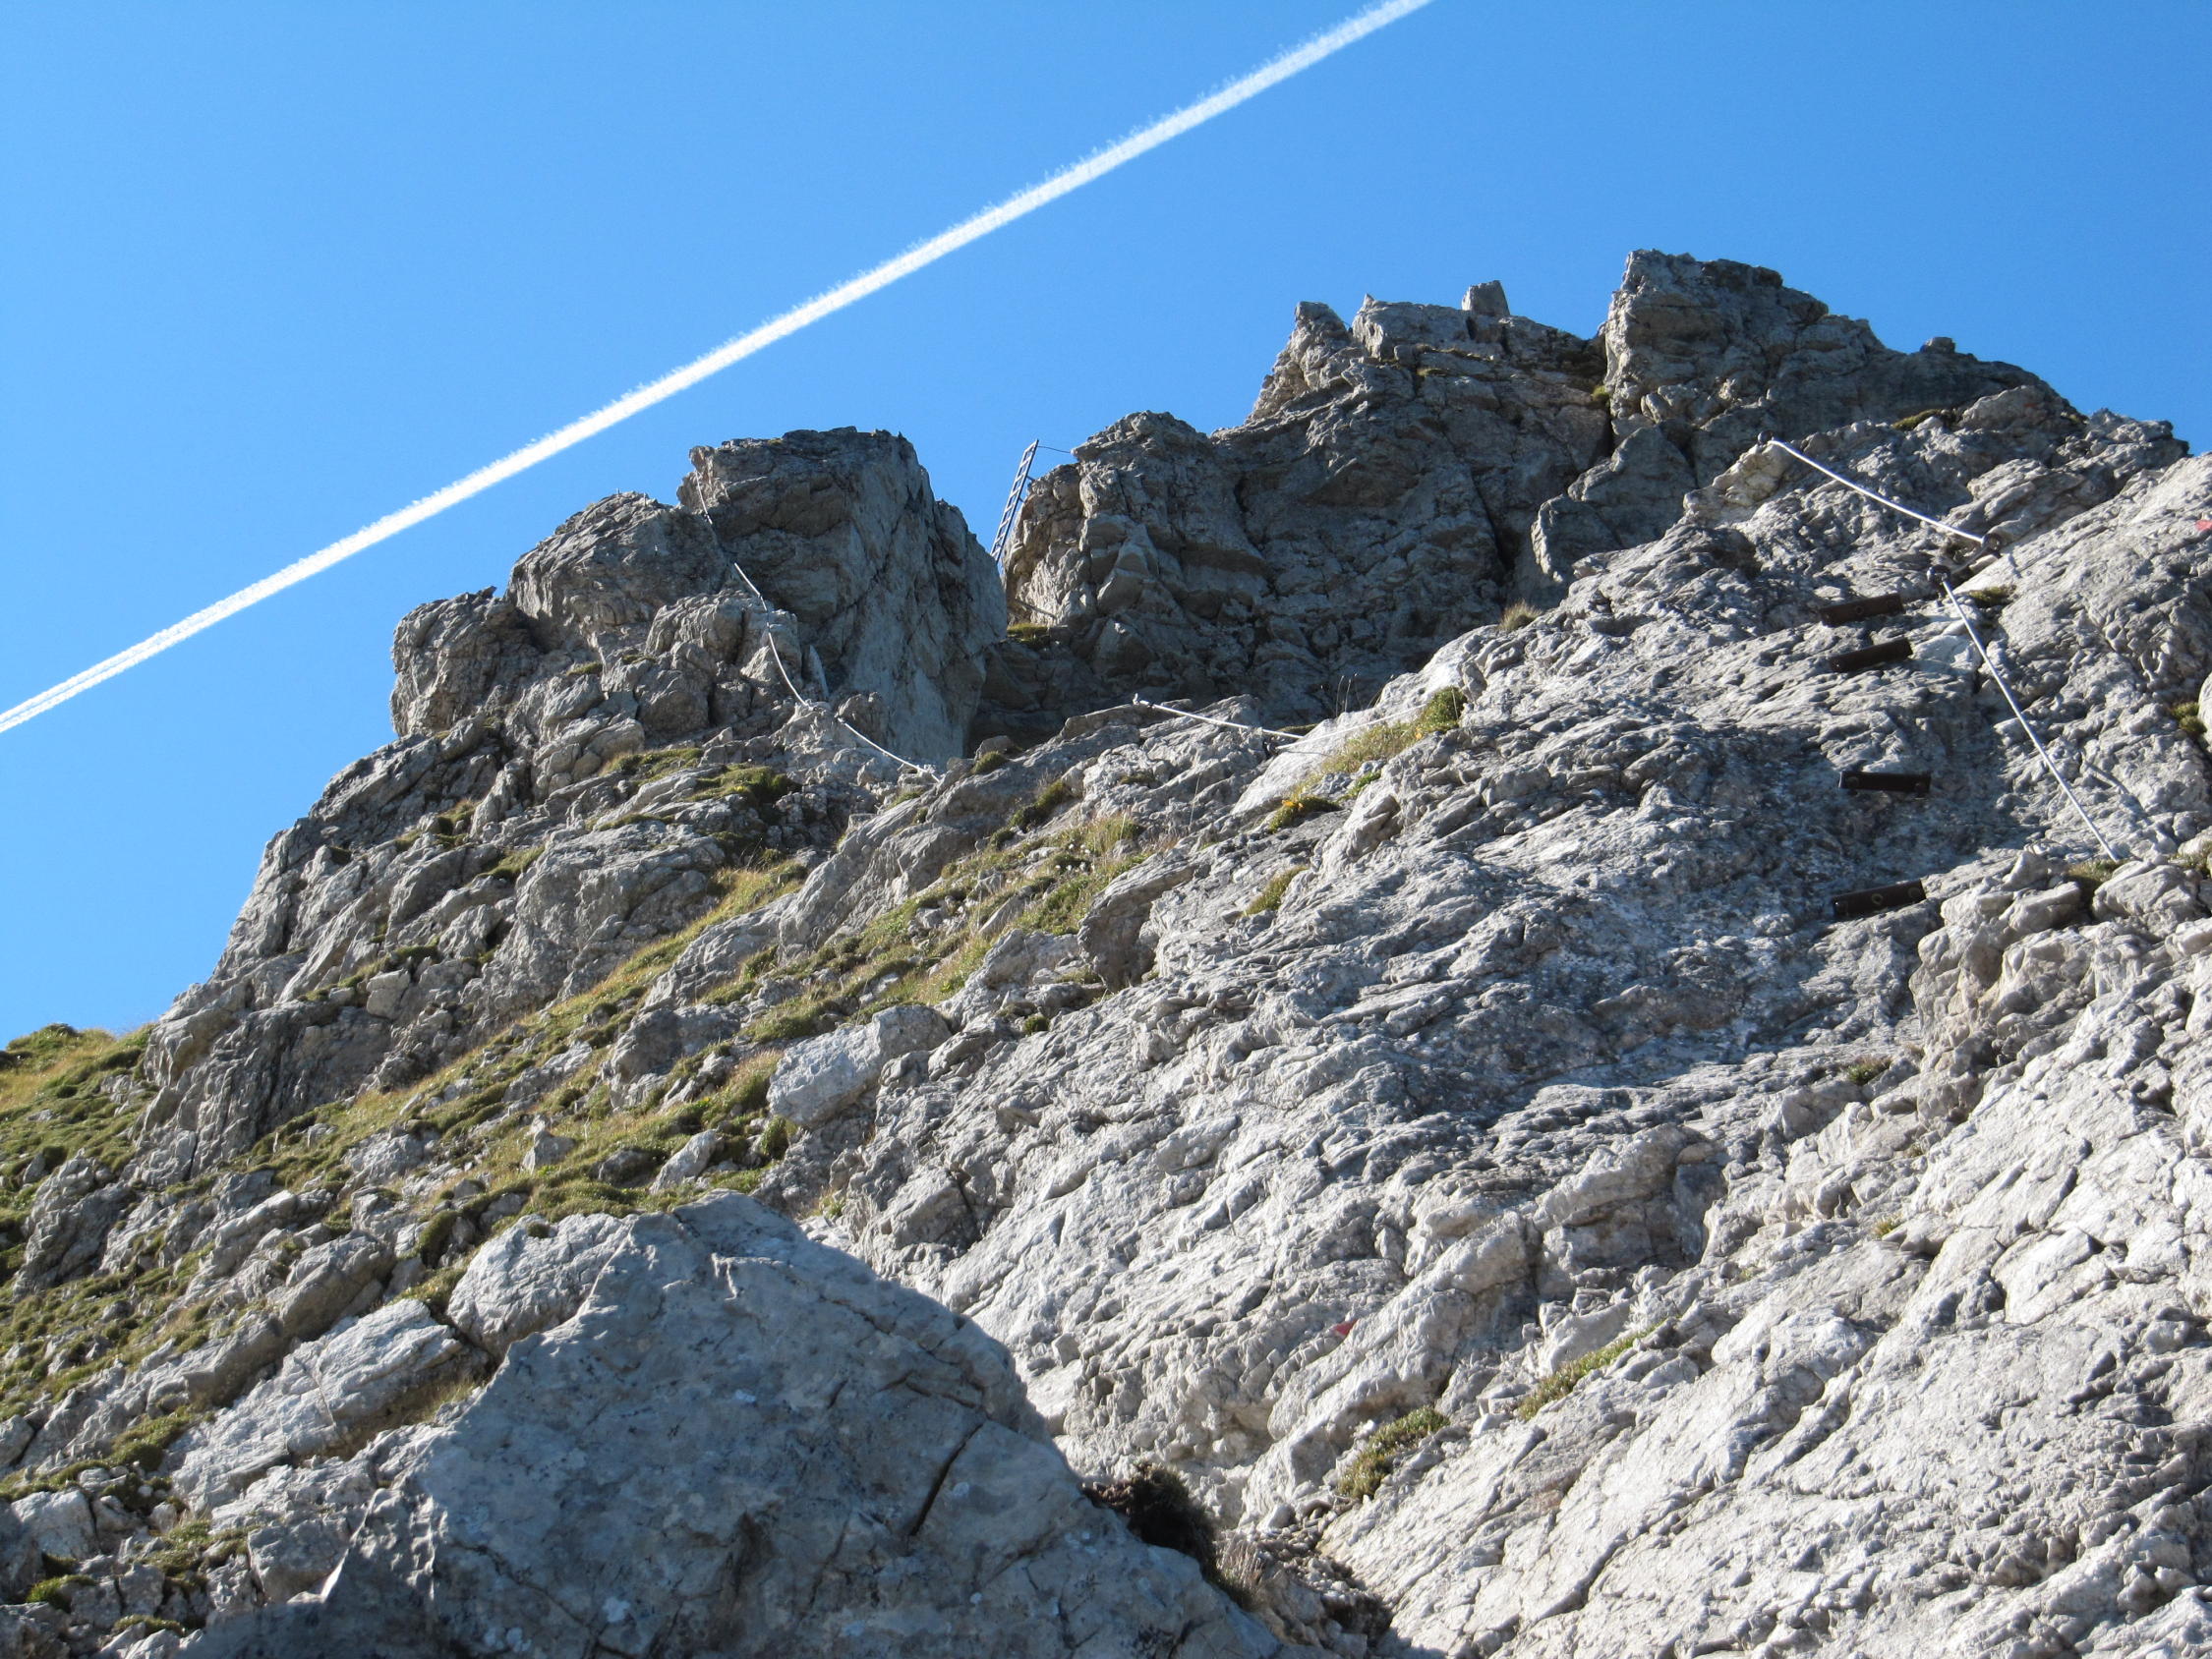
[[1450, 1173]]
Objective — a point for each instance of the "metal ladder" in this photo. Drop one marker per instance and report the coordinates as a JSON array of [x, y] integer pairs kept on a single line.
[[1014, 499]]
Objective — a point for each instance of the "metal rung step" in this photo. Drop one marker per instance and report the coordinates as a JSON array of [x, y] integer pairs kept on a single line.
[[1886, 782], [1870, 656], [1872, 902], [1860, 611]]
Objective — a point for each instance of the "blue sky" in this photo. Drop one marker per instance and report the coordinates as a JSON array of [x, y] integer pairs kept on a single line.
[[270, 271]]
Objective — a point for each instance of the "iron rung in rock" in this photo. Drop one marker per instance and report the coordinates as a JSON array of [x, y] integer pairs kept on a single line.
[[1886, 782], [1860, 611], [1872, 902], [1870, 656]]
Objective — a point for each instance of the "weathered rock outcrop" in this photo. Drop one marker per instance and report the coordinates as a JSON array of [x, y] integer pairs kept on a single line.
[[1402, 479], [735, 1442], [888, 589], [512, 847], [1461, 1148]]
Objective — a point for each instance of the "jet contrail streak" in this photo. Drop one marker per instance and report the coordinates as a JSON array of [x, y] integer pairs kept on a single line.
[[1073, 178]]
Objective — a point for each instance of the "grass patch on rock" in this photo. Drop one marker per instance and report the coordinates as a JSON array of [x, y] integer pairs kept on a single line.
[[2091, 874], [1379, 743], [1299, 805], [1040, 808], [1383, 1447], [52, 1103], [1270, 896], [657, 763], [513, 864], [1561, 1382], [1047, 887], [1367, 750], [1061, 907]]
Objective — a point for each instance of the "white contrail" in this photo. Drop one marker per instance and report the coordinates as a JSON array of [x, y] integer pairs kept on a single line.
[[1277, 70]]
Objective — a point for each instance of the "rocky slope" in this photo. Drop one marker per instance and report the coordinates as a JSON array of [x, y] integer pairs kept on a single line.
[[654, 1174]]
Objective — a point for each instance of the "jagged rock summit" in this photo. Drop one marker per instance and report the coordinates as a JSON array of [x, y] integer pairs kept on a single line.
[[506, 850], [1415, 472], [651, 1174]]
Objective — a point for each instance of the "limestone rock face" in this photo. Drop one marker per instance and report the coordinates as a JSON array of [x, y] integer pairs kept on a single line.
[[22, 1553], [820, 1078], [328, 1393], [1550, 1044], [1715, 354], [1456, 1174], [743, 1443], [529, 1277], [69, 1219], [1365, 513]]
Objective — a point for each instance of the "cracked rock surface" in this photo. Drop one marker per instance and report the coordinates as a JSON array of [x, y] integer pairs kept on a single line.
[[741, 1442]]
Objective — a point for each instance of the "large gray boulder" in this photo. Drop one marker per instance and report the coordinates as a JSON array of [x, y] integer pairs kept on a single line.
[[57, 1523], [743, 1443], [531, 1277], [823, 1077]]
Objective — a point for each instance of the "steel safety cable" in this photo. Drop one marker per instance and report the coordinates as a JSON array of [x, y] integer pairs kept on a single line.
[[1850, 482], [1980, 650], [2028, 725], [1229, 725], [768, 629]]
